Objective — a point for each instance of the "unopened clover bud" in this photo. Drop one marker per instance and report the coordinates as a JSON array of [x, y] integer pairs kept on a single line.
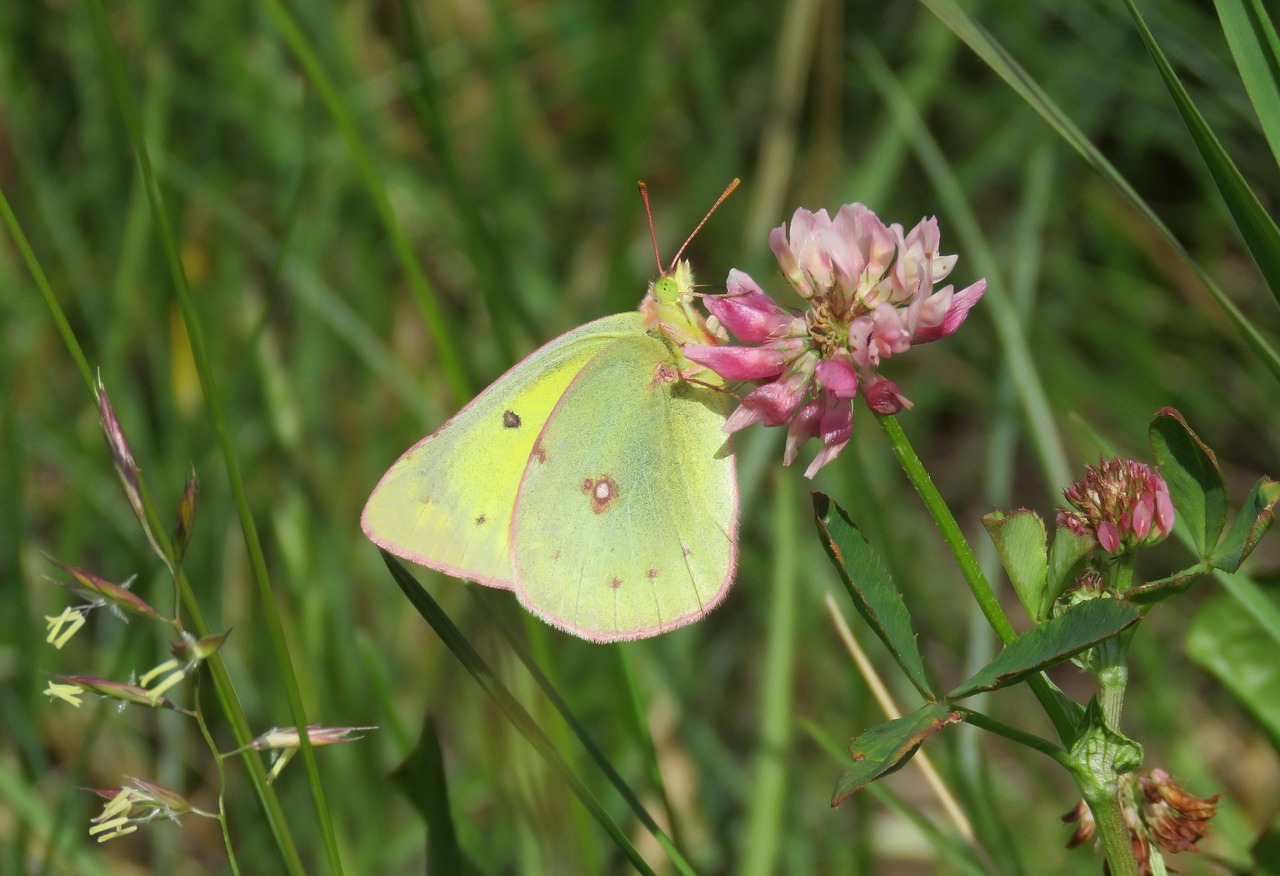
[[1122, 503]]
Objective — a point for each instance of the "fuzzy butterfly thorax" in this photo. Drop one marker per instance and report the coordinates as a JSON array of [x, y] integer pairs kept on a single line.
[[671, 315]]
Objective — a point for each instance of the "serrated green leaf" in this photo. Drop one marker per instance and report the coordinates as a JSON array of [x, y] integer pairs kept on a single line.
[[1021, 543], [1233, 646], [1057, 639], [1254, 519], [883, 749], [1068, 551], [874, 595], [1195, 481], [1256, 49]]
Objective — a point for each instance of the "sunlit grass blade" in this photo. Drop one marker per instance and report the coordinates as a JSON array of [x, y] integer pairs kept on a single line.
[[1256, 227], [998, 305], [584, 738], [519, 717], [441, 336], [1251, 34], [1003, 64], [115, 73], [766, 821]]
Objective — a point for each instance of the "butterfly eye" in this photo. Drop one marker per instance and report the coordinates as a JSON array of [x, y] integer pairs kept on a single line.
[[666, 290]]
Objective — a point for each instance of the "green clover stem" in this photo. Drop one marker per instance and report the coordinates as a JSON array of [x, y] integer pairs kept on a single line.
[[951, 533], [973, 575]]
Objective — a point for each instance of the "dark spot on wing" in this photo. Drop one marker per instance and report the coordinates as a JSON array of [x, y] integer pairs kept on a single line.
[[510, 420], [652, 573], [600, 492], [615, 583], [480, 520], [539, 452]]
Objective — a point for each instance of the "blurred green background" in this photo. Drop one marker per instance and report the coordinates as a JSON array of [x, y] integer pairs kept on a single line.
[[326, 168]]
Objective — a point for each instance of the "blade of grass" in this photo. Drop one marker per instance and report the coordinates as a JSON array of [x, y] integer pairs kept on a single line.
[[766, 823], [562, 708], [441, 337], [1257, 229], [222, 681], [519, 717], [1256, 49], [114, 70], [1003, 64], [1021, 365]]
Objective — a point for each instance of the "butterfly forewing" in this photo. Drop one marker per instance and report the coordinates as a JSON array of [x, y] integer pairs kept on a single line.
[[625, 521], [447, 503]]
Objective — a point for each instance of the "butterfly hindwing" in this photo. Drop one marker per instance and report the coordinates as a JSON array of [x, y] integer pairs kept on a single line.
[[625, 520], [447, 503]]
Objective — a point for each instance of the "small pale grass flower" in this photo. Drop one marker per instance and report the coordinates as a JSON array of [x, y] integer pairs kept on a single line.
[[65, 625], [135, 804], [870, 290], [284, 742], [70, 693]]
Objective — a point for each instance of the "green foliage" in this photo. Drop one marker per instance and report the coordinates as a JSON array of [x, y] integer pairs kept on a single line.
[[377, 209]]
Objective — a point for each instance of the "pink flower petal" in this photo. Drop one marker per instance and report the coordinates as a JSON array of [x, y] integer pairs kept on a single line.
[[748, 312], [740, 363], [804, 425], [838, 377], [961, 303], [1109, 537], [883, 397], [774, 402]]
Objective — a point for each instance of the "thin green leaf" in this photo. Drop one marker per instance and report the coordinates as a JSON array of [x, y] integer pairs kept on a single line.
[[1003, 64], [886, 748], [1256, 49], [1195, 481], [874, 595], [1232, 645], [1254, 519], [1020, 540], [1079, 627], [421, 779], [113, 68], [486, 598], [1257, 228], [519, 717]]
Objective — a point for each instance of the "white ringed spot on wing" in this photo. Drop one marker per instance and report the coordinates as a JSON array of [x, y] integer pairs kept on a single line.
[[510, 420], [600, 492], [615, 583], [664, 373], [539, 452], [652, 574]]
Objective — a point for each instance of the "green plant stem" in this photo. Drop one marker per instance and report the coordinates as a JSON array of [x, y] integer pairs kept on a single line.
[[1112, 681], [937, 508], [973, 576], [1030, 740], [1113, 832]]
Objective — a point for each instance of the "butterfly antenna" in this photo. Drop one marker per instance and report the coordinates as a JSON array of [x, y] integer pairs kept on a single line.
[[644, 196], [728, 190]]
